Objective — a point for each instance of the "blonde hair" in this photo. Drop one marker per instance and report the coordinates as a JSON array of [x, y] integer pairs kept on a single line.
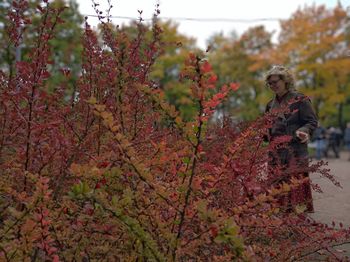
[[284, 73]]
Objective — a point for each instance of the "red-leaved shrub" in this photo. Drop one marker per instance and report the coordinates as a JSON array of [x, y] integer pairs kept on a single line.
[[115, 174]]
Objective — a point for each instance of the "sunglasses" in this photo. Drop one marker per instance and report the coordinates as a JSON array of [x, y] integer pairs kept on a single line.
[[273, 83]]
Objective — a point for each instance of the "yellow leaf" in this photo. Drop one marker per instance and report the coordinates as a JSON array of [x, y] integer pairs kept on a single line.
[[92, 100], [286, 187], [300, 209]]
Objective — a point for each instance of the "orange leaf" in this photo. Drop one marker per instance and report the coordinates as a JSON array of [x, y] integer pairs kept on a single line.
[[234, 86]]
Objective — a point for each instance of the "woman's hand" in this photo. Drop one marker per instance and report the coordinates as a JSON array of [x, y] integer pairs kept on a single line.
[[303, 136]]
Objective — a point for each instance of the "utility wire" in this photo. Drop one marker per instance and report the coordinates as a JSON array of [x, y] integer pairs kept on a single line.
[[225, 20]]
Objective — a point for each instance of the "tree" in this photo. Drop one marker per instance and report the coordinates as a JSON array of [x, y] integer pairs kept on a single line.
[[8, 53], [313, 41], [67, 47], [243, 60], [166, 70], [173, 51]]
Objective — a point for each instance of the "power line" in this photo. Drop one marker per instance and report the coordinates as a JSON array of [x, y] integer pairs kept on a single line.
[[225, 20]]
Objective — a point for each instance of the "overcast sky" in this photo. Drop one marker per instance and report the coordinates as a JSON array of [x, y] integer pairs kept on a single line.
[[209, 9]]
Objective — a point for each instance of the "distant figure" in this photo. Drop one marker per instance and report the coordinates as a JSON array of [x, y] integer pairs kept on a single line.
[[347, 138], [333, 142], [320, 140], [298, 122], [339, 137]]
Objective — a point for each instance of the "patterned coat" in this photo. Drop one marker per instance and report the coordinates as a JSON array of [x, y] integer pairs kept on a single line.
[[291, 113]]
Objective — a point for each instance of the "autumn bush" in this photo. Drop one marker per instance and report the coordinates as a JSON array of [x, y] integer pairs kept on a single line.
[[112, 172]]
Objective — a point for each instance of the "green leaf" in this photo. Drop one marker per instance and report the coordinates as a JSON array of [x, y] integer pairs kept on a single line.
[[186, 160], [299, 209]]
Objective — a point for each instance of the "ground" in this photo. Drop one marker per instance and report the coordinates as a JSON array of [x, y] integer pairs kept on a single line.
[[334, 203]]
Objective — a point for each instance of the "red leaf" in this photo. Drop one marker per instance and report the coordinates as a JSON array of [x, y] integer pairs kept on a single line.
[[45, 74], [269, 232], [103, 181], [212, 103], [192, 56], [40, 8], [212, 79], [206, 67], [103, 164], [234, 86], [213, 231], [65, 72]]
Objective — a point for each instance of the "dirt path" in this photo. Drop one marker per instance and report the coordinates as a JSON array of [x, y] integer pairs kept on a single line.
[[334, 203]]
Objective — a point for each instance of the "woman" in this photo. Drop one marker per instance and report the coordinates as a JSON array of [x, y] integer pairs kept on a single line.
[[292, 117]]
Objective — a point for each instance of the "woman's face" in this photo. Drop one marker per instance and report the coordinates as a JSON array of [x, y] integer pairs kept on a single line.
[[277, 85]]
